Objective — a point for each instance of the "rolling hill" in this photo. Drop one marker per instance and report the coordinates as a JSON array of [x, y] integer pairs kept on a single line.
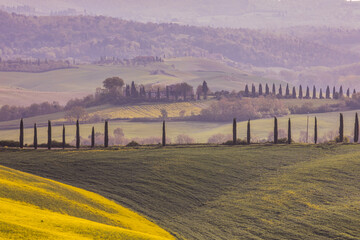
[[89, 37], [222, 192], [32, 207]]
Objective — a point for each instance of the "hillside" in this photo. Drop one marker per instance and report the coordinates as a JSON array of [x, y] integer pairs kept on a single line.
[[89, 37], [206, 192], [33, 207], [86, 78]]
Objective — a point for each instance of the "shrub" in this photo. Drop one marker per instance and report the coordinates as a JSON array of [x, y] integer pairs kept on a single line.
[[238, 142], [133, 144], [184, 139], [9, 143], [345, 139]]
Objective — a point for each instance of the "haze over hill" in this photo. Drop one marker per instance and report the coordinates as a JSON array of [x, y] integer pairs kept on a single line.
[[227, 13]]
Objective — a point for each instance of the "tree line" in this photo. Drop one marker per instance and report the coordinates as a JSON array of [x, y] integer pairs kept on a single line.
[[235, 141], [296, 94]]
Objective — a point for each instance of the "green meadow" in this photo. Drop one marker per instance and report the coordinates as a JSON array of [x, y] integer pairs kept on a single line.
[[219, 192]]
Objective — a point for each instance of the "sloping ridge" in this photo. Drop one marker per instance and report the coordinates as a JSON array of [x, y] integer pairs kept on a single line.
[[34, 207]]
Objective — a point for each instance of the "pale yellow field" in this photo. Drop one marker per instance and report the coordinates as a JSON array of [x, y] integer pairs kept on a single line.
[[154, 110], [36, 208]]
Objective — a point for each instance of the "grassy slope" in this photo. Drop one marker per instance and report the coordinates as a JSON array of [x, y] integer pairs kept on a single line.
[[88, 77], [33, 207], [205, 192], [200, 131]]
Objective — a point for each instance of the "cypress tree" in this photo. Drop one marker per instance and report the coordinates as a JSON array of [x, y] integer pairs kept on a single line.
[[289, 131], [273, 89], [356, 129], [248, 135], [164, 135], [77, 134], [205, 89], [307, 92], [287, 91], [106, 135], [348, 92], [294, 93], [341, 128], [35, 137], [314, 93], [246, 91], [275, 131], [327, 92], [315, 131], [63, 137], [267, 90], [49, 135], [21, 139], [341, 93], [334, 93], [158, 94], [321, 94], [168, 93], [300, 92], [234, 131], [253, 90], [280, 91], [260, 89], [93, 137], [354, 92]]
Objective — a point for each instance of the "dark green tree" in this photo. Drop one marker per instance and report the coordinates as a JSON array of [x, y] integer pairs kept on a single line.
[[348, 92], [280, 91], [314, 93], [21, 139], [307, 93], [246, 93], [63, 137], [127, 91], [234, 131], [294, 93], [158, 94], [93, 137], [327, 92], [168, 93], [49, 135], [334, 96], [341, 128], [356, 129], [77, 134], [300, 92], [106, 134], [164, 134], [253, 90], [260, 89], [341, 93], [289, 131], [248, 133], [275, 130], [133, 91], [287, 91], [35, 137], [273, 89], [205, 89], [354, 92], [267, 90], [321, 94], [315, 131]]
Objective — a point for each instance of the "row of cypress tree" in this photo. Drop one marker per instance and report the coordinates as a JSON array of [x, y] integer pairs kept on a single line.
[[248, 135], [289, 138], [293, 94], [50, 142]]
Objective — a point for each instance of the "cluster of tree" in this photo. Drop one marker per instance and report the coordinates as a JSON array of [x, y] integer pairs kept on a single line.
[[302, 94], [115, 91], [244, 109], [139, 60], [12, 112], [88, 37], [34, 66]]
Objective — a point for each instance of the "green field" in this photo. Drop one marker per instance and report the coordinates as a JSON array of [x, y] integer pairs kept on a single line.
[[328, 124], [219, 192], [86, 78], [32, 207]]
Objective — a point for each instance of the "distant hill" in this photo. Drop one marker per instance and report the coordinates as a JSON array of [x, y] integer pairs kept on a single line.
[[89, 37]]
